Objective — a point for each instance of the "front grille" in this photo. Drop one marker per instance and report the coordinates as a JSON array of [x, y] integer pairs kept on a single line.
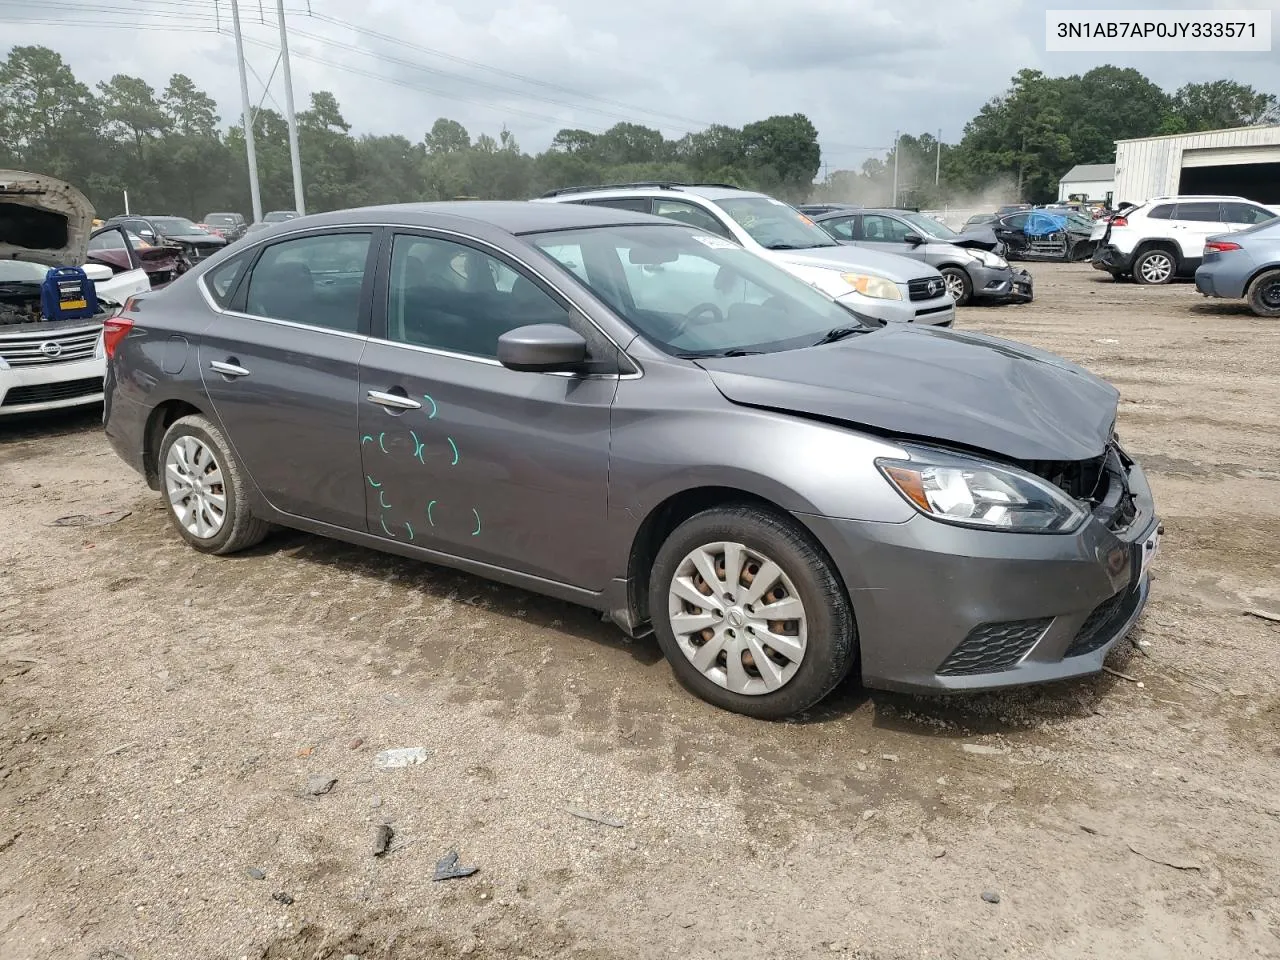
[[52, 392], [992, 647], [926, 288], [33, 349]]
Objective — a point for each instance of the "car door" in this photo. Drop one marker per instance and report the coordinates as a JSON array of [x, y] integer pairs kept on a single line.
[[281, 365], [462, 455], [1192, 223], [876, 231]]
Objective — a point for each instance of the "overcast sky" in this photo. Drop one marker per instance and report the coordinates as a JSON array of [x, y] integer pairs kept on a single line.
[[860, 69]]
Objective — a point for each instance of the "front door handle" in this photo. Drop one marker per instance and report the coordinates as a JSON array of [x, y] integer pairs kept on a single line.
[[397, 401], [228, 369]]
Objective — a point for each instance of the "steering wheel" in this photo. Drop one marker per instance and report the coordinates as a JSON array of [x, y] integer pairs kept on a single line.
[[708, 308]]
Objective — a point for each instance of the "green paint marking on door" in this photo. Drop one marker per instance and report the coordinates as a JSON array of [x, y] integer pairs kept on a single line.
[[408, 526], [455, 451], [432, 414], [367, 438], [382, 500], [381, 437], [430, 507], [476, 531], [417, 447], [383, 521], [373, 483]]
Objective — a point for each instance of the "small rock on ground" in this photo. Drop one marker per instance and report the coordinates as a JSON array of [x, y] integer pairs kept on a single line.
[[256, 873], [990, 896]]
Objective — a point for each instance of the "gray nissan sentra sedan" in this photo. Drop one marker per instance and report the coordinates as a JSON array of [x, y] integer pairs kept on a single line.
[[638, 416]]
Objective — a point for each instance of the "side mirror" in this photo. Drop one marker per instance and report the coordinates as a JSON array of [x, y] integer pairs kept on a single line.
[[542, 348], [97, 271], [914, 239]]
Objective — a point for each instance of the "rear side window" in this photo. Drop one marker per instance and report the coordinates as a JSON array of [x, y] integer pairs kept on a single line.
[[315, 280], [1161, 212], [222, 280], [841, 228], [1199, 212]]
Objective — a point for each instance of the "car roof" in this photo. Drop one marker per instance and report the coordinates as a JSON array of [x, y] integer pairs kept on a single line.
[[656, 188], [512, 216], [1179, 197]]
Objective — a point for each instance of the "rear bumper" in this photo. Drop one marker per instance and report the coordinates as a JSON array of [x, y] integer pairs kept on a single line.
[[1225, 276], [1111, 260], [944, 609]]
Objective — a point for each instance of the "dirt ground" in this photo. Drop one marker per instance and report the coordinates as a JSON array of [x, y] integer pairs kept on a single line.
[[162, 712]]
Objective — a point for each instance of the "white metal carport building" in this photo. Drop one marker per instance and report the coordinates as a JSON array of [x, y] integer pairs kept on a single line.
[[1241, 161], [1093, 181]]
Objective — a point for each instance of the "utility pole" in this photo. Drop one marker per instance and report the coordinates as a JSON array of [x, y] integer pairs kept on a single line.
[[937, 170], [249, 150], [299, 203], [897, 139]]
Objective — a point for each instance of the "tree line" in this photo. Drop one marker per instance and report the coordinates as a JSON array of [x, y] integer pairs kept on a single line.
[[173, 154], [1021, 142]]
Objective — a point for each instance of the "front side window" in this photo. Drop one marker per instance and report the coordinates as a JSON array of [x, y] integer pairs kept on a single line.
[[448, 296], [1245, 213], [881, 229], [841, 228], [684, 212], [1017, 221], [314, 280], [696, 295], [108, 240], [774, 225]]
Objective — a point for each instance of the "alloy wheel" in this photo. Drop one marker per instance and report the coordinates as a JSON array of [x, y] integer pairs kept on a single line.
[[193, 482], [955, 285], [1157, 268], [1270, 295], [738, 618]]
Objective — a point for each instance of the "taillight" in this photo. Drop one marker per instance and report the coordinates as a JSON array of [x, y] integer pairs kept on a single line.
[[1220, 246], [114, 330], [1119, 221]]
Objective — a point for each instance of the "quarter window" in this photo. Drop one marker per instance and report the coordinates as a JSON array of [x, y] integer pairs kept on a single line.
[[448, 296], [222, 280], [314, 280], [1162, 212]]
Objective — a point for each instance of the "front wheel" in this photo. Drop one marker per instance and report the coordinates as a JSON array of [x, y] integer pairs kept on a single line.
[[1264, 294], [205, 486], [750, 613], [958, 285], [1154, 267]]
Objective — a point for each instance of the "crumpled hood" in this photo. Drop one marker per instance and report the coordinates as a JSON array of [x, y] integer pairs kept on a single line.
[[961, 388], [198, 239], [850, 259], [43, 220]]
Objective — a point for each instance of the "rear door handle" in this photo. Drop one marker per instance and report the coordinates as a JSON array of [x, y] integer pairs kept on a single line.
[[228, 369], [395, 400]]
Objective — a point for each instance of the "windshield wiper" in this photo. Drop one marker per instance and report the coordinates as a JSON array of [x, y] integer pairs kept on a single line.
[[712, 354], [839, 333]]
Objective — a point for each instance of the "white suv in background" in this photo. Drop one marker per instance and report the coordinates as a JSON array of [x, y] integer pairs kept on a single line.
[[884, 286], [1163, 238]]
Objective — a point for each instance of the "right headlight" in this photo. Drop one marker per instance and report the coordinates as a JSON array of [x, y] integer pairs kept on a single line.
[[973, 493], [877, 287], [989, 259]]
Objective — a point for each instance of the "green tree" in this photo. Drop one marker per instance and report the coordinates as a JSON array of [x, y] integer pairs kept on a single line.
[[191, 112], [447, 136], [48, 119], [1224, 103], [782, 152]]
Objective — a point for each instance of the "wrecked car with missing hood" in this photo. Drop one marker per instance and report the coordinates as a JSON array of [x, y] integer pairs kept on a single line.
[[50, 363], [642, 417]]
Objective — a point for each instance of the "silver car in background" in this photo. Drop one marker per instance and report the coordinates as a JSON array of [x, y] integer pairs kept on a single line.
[[883, 286], [1244, 264]]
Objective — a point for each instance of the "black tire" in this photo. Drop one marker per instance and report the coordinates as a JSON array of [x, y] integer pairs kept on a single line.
[[1144, 271], [1264, 294], [959, 277], [240, 528], [832, 644]]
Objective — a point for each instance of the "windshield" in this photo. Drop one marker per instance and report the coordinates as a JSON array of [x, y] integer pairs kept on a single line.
[[175, 226], [929, 226], [774, 225], [279, 216], [693, 294], [220, 218]]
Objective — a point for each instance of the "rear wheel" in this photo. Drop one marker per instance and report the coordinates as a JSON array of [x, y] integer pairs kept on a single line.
[[958, 284], [1264, 294], [1154, 267], [750, 614], [205, 487]]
